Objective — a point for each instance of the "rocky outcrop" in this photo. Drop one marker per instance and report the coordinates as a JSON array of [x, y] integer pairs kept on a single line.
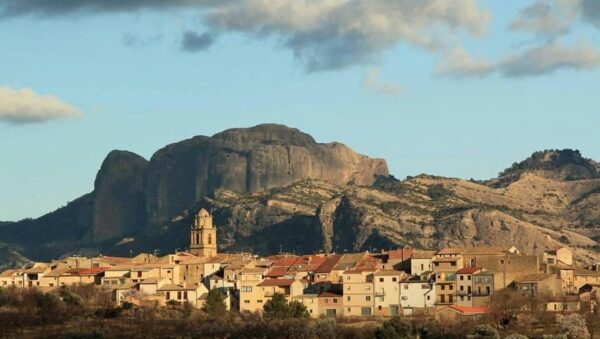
[[119, 198], [248, 160]]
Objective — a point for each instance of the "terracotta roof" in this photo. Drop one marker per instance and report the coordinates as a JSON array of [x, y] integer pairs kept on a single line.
[[285, 261], [254, 270], [277, 272], [468, 270], [471, 310], [403, 254], [348, 260], [535, 277], [328, 264], [277, 282], [93, 270]]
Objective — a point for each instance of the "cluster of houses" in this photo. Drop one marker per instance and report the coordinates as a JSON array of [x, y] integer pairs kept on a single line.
[[453, 282]]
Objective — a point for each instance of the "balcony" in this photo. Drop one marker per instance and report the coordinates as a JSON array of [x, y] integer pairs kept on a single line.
[[380, 293]]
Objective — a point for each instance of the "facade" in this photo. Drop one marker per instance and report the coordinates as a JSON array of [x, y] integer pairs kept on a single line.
[[358, 292], [203, 235], [538, 284], [464, 285], [416, 295], [386, 286]]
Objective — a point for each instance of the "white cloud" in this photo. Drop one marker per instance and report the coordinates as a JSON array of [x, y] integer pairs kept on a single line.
[[550, 57], [547, 17], [458, 63], [372, 83], [22, 106], [322, 34]]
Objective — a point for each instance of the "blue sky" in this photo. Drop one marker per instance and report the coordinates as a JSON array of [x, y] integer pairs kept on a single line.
[[124, 81]]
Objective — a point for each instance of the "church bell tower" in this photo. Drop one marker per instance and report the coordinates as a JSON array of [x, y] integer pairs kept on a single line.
[[203, 240]]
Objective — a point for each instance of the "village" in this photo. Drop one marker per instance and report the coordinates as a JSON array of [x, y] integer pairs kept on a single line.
[[452, 283]]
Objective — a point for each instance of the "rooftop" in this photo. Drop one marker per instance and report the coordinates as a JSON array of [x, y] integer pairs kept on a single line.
[[277, 282]]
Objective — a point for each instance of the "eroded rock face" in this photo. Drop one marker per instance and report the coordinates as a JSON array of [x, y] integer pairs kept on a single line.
[[248, 160], [119, 199]]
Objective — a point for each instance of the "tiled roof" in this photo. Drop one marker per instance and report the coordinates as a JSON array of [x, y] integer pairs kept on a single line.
[[471, 310], [277, 271], [535, 277], [468, 270], [173, 287], [485, 250], [329, 264], [277, 282], [285, 261], [403, 254], [586, 272], [8, 273], [329, 294]]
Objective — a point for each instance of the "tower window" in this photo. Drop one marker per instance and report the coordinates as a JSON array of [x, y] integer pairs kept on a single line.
[[197, 238], [210, 239]]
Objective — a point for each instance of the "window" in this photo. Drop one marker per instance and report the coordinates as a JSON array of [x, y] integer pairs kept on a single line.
[[380, 279], [451, 287], [404, 297], [326, 301], [168, 296], [139, 274], [210, 239], [368, 298], [443, 287], [428, 297], [405, 286], [462, 288], [246, 288], [462, 298], [246, 301], [185, 295], [468, 277], [436, 264], [379, 307], [259, 301], [453, 263], [335, 300], [348, 309], [469, 298], [197, 238], [348, 288], [502, 262], [348, 298], [462, 277], [178, 295]]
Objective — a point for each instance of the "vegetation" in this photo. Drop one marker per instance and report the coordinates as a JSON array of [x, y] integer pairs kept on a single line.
[[279, 308], [215, 303]]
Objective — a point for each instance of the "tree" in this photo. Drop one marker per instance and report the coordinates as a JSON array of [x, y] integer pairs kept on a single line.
[[394, 329], [278, 308], [215, 303], [573, 325], [485, 332]]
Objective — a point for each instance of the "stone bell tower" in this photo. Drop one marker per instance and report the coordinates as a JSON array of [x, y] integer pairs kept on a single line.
[[203, 240]]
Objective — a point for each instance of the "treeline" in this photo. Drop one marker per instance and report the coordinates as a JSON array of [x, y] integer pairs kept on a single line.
[[88, 312]]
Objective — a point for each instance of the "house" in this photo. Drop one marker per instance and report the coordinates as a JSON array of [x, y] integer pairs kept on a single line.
[[421, 262], [330, 303], [585, 276], [145, 271], [462, 313], [416, 294], [311, 302], [483, 287], [10, 278], [358, 292], [387, 292], [151, 286], [117, 276], [399, 260], [445, 288], [325, 272], [532, 285], [566, 303], [562, 255], [182, 293], [464, 285], [253, 295], [448, 260]]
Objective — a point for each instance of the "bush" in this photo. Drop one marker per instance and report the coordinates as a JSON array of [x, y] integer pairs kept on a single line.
[[394, 329], [278, 308], [485, 332], [215, 303]]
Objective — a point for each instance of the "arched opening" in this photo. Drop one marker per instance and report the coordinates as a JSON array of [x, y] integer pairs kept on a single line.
[[197, 238], [210, 239]]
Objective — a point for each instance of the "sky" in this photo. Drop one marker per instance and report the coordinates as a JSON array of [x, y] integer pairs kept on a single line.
[[459, 88]]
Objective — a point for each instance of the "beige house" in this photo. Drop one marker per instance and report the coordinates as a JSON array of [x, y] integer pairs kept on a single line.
[[445, 288], [464, 285], [387, 292], [483, 287], [143, 272], [447, 260], [420, 262], [151, 286], [182, 293], [541, 284], [562, 255], [117, 276], [311, 302], [358, 292], [331, 304], [10, 278], [585, 276]]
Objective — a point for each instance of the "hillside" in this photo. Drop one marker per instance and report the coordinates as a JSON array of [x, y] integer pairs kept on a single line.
[[548, 200]]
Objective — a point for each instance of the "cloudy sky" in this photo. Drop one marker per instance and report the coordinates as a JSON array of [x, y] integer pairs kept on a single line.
[[458, 88]]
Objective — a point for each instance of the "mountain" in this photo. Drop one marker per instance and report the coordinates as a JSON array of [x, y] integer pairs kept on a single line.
[[132, 195], [272, 188]]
